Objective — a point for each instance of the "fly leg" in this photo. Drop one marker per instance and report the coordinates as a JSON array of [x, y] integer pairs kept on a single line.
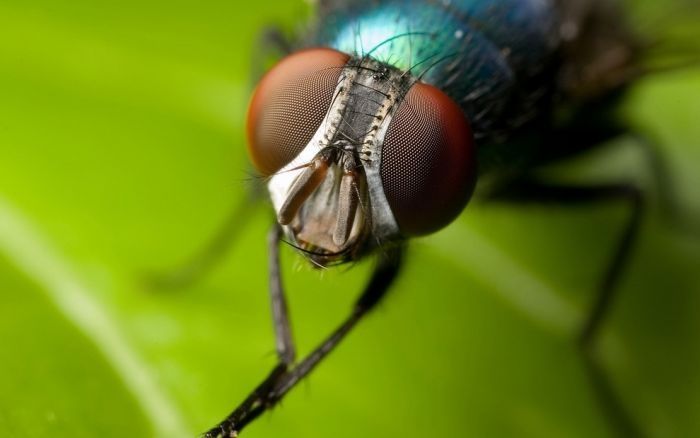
[[272, 43], [214, 250], [663, 182], [280, 316], [286, 375], [256, 403], [539, 192]]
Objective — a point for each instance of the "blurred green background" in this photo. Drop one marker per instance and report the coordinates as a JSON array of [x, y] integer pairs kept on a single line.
[[122, 151]]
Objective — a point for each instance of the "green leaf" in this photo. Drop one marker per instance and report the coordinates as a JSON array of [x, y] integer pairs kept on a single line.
[[122, 151], [55, 380]]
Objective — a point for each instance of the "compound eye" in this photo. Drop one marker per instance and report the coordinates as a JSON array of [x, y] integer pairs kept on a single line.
[[289, 105], [428, 164]]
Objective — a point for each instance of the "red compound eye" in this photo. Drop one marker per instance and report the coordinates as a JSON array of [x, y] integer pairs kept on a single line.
[[428, 165], [289, 105]]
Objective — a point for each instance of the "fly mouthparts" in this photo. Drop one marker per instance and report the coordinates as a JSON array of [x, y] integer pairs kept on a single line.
[[323, 202], [305, 184], [348, 201]]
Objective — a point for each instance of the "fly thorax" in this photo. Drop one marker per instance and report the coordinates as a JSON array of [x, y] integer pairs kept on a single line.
[[330, 199]]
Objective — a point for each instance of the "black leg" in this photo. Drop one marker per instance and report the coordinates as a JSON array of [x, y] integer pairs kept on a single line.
[[283, 377], [663, 182], [612, 406], [280, 315], [272, 44], [272, 38], [207, 257], [382, 278], [534, 191]]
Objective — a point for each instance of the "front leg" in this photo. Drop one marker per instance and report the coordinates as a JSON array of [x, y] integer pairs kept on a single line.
[[280, 315], [272, 43], [285, 375]]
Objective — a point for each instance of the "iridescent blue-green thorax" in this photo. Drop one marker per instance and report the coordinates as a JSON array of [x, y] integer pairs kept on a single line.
[[480, 53]]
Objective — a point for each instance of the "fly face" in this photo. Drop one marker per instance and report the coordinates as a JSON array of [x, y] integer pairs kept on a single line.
[[359, 154]]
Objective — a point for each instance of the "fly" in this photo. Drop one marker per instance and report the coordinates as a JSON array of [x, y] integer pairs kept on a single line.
[[378, 127]]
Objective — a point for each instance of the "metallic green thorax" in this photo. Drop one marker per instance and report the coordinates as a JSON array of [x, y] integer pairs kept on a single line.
[[483, 54]]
